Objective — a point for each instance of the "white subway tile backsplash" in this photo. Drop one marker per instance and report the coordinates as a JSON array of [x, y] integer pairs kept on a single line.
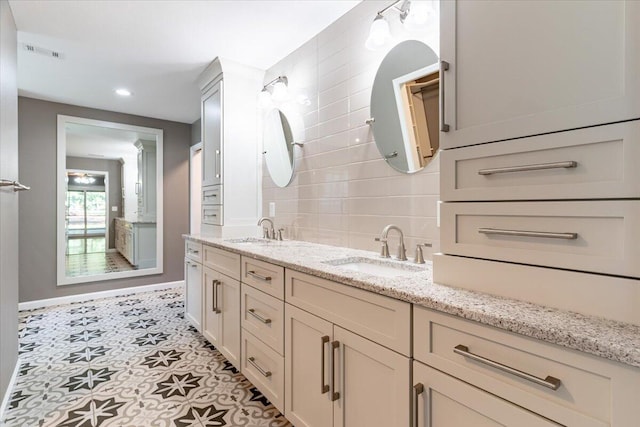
[[344, 193]]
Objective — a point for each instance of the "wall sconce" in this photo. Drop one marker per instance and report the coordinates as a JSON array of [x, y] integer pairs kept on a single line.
[[413, 14], [279, 92]]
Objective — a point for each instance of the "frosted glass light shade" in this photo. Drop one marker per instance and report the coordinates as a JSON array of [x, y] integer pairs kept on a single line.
[[419, 14], [379, 33], [264, 99], [280, 91]]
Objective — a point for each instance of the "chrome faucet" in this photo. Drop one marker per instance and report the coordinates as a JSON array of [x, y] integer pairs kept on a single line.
[[266, 232], [402, 252]]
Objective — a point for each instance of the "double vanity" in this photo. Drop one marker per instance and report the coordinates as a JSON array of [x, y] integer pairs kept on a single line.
[[338, 336]]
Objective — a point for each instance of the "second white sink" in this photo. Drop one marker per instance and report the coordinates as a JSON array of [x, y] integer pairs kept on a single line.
[[375, 267]]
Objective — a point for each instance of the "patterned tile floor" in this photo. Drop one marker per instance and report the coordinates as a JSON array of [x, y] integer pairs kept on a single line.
[[128, 361], [89, 264]]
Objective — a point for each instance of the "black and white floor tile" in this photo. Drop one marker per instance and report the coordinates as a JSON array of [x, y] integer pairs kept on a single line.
[[89, 264], [128, 361]]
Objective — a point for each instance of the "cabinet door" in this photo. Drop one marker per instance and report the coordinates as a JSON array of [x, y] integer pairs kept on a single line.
[[193, 293], [523, 68], [212, 136], [228, 302], [307, 348], [374, 383], [211, 319], [444, 401]]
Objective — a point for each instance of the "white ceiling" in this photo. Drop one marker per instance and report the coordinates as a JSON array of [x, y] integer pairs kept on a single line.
[[154, 48], [102, 142]]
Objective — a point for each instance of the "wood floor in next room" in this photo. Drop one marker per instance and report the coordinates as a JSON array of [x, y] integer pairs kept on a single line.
[[128, 361]]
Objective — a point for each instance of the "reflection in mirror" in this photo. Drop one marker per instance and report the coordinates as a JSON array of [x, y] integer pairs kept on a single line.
[[404, 106], [109, 200], [278, 136]]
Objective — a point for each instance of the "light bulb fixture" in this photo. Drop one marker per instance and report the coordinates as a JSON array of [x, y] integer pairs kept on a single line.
[[279, 92], [414, 14], [417, 15], [84, 179], [123, 92], [379, 33]]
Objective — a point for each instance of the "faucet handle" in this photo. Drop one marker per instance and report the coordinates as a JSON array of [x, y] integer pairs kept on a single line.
[[419, 258], [384, 250], [280, 230]]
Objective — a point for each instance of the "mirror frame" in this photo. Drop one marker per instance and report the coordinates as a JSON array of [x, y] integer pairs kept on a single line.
[[61, 152]]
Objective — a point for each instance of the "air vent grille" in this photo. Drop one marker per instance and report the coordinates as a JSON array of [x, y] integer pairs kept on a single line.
[[31, 48]]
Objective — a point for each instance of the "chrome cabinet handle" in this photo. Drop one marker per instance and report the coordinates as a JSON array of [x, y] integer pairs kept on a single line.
[[192, 265], [218, 164], [334, 395], [193, 251], [15, 184], [526, 168], [214, 287], [549, 382], [258, 276], [524, 233], [444, 66], [323, 387], [252, 312], [418, 389], [252, 361]]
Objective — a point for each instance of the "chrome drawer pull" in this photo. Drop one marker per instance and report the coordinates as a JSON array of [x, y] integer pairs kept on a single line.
[[444, 66], [549, 381], [544, 234], [418, 389], [258, 276], [214, 289], [252, 362], [252, 312], [333, 395], [526, 168], [193, 251], [193, 265], [323, 387]]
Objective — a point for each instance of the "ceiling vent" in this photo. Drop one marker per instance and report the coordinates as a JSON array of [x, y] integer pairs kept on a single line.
[[31, 48]]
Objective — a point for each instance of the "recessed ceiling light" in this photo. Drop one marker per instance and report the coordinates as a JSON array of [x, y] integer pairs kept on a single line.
[[123, 92]]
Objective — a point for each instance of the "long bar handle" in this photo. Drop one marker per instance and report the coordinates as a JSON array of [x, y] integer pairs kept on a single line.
[[252, 362], [526, 168], [444, 66], [549, 382], [333, 395], [252, 312], [218, 164], [525, 233], [214, 287], [418, 389], [323, 387], [259, 276], [15, 184], [192, 251]]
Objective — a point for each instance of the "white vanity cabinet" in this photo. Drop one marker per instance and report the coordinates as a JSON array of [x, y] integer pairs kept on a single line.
[[193, 284], [136, 241], [346, 355], [221, 302], [527, 68], [486, 376], [229, 133]]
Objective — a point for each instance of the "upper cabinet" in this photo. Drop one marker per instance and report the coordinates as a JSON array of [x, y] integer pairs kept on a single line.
[[230, 180], [526, 68], [146, 183]]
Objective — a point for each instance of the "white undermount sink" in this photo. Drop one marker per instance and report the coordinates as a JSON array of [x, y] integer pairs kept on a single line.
[[375, 267]]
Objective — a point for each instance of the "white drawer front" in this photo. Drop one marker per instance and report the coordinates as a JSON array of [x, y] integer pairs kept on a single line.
[[264, 276], [212, 214], [595, 236], [263, 316], [193, 250], [212, 195], [598, 162], [222, 261], [264, 368], [383, 320], [584, 386]]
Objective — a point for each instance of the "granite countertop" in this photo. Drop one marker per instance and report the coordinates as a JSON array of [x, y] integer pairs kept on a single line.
[[601, 337]]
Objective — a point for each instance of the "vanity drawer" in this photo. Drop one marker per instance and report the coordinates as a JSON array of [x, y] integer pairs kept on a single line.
[[263, 316], [224, 262], [264, 276], [590, 163], [193, 250], [264, 368], [381, 319], [212, 195], [212, 214], [585, 387], [593, 236]]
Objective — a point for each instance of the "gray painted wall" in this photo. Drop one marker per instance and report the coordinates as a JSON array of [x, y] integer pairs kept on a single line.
[[114, 167], [37, 129], [196, 136], [8, 199]]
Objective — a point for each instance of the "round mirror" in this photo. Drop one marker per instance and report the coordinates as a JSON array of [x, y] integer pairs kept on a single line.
[[404, 106], [278, 139]]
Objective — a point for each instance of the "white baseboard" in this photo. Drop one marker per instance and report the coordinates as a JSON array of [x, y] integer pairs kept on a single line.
[[30, 305], [7, 394]]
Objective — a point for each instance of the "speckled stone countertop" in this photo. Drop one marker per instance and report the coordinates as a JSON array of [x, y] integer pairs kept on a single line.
[[604, 338]]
